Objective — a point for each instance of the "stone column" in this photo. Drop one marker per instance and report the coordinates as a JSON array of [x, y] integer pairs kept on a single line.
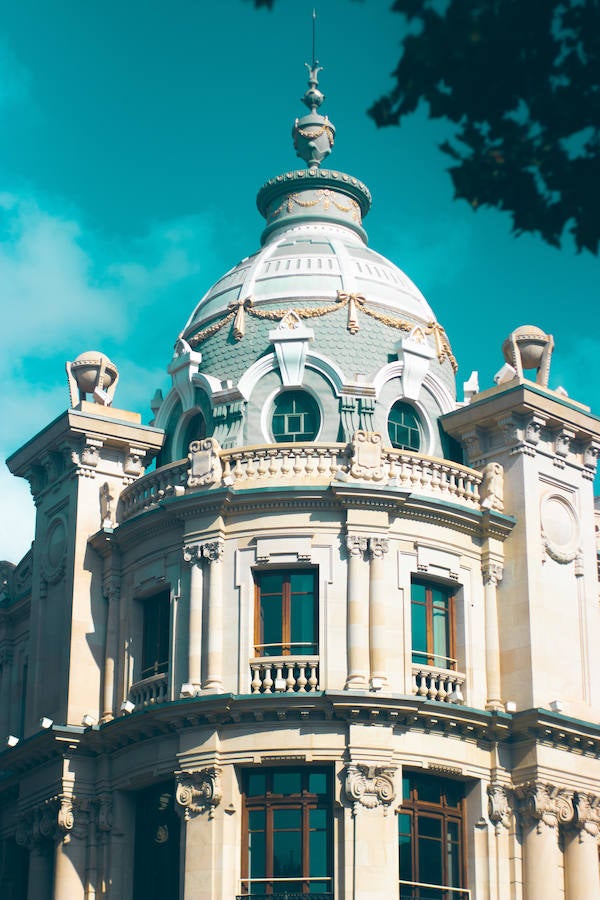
[[110, 652], [192, 554], [542, 807], [70, 855], [358, 617], [213, 552], [378, 629], [492, 575], [582, 877], [370, 790]]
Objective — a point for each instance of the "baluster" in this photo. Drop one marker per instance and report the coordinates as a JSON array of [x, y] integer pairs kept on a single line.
[[301, 681], [267, 680], [255, 684]]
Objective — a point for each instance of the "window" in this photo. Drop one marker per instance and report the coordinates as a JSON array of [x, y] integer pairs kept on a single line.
[[403, 427], [286, 613], [431, 839], [432, 622], [296, 417], [288, 829], [155, 646], [156, 855]]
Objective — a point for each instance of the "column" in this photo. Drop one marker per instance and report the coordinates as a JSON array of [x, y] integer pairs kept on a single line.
[[492, 575], [110, 652], [70, 855], [372, 831], [378, 631], [582, 877], [542, 806], [213, 552], [192, 555], [358, 617]]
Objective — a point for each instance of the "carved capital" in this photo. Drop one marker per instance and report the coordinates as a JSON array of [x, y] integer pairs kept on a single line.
[[356, 545], [199, 791], [499, 807], [378, 547], [213, 550], [370, 786]]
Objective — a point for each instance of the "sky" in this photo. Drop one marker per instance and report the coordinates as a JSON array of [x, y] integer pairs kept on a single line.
[[134, 139]]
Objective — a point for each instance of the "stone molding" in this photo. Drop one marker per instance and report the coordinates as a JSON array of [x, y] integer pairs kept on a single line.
[[198, 791], [500, 809], [370, 786]]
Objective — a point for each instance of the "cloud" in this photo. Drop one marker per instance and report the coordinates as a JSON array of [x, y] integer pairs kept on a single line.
[[65, 289]]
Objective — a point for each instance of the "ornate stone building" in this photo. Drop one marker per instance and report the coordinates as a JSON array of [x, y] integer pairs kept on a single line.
[[320, 629]]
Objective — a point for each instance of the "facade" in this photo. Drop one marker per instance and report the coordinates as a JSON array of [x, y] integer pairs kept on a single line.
[[320, 629]]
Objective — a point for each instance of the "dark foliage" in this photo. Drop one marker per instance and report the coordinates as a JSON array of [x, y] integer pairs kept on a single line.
[[521, 80]]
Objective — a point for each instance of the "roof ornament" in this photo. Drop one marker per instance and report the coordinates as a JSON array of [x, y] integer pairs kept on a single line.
[[313, 134]]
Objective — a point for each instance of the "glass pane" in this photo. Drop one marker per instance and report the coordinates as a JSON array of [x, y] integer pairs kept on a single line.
[[318, 842], [286, 782], [419, 632], [302, 624], [256, 784], [317, 782]]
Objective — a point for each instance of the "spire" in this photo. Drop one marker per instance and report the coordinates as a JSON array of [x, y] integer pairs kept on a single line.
[[313, 134]]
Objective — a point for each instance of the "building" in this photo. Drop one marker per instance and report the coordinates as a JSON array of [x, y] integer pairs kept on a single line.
[[320, 629]]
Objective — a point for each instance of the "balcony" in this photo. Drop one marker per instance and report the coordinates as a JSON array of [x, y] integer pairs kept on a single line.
[[435, 683], [149, 691], [274, 465], [284, 674]]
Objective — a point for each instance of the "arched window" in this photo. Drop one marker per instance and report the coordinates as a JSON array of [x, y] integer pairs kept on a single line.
[[195, 431], [296, 417], [403, 427]]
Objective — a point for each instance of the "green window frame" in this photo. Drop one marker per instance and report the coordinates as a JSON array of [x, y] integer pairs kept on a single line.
[[433, 624], [403, 427], [431, 839], [286, 617], [295, 418], [287, 824]]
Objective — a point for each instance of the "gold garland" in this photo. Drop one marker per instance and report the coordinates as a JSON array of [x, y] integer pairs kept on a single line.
[[354, 302]]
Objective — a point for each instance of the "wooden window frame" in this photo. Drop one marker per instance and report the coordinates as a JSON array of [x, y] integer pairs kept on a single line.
[[270, 802], [428, 655], [444, 812], [287, 644]]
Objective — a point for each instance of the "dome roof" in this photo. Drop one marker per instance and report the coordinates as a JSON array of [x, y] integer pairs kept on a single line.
[[312, 262]]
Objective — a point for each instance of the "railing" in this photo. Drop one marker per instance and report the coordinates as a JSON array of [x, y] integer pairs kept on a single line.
[[284, 674], [434, 683], [315, 464], [149, 691], [420, 890]]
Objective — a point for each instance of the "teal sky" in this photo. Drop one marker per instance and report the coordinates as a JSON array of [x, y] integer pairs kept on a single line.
[[134, 139]]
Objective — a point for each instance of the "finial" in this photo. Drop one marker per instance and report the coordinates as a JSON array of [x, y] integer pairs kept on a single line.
[[313, 134]]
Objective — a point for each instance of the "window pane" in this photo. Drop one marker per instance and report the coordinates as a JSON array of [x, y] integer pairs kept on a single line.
[[286, 781], [317, 782]]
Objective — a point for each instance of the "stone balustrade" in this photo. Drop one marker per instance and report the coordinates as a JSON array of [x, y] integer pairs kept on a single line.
[[284, 674], [149, 691], [314, 464], [433, 683]]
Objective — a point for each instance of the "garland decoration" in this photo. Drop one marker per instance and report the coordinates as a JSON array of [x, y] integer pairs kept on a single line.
[[353, 302]]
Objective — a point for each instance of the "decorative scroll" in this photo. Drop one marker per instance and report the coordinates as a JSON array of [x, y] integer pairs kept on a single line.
[[199, 791], [370, 786]]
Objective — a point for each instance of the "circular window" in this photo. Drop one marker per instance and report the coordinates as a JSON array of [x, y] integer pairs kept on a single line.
[[296, 417], [403, 427]]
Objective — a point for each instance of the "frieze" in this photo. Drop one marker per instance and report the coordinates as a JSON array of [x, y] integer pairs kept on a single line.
[[370, 786], [199, 791]]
